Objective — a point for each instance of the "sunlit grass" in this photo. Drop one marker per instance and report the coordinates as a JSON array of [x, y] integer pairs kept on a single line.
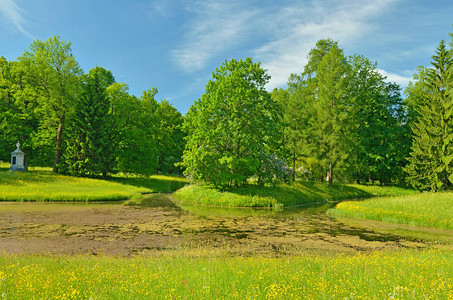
[[423, 209], [282, 195], [379, 275], [46, 186], [40, 184]]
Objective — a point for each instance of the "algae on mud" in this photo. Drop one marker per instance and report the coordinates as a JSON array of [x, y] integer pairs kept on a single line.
[[160, 225]]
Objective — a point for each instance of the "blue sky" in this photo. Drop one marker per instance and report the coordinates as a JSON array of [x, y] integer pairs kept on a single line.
[[175, 45]]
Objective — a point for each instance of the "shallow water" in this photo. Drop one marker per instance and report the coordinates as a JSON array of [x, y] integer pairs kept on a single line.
[[160, 226]]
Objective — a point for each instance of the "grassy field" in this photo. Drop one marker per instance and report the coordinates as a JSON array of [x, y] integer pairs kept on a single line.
[[424, 209], [156, 183], [379, 275], [40, 184], [283, 195]]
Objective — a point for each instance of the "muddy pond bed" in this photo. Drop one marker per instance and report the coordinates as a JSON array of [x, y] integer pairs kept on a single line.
[[160, 226]]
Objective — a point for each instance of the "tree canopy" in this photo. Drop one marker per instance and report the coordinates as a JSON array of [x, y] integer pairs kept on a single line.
[[338, 120], [232, 126], [431, 159], [83, 124]]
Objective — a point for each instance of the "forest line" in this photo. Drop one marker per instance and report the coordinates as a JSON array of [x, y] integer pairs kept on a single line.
[[338, 120]]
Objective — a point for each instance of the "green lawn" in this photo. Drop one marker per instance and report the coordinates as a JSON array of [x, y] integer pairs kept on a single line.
[[40, 184], [380, 275], [46, 186], [423, 209], [282, 195]]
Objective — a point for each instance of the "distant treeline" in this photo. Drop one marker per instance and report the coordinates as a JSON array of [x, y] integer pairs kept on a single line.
[[339, 120], [83, 124]]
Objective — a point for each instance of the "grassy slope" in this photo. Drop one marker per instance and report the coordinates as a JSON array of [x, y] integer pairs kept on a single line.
[[42, 185], [282, 195], [156, 183], [379, 275], [424, 209]]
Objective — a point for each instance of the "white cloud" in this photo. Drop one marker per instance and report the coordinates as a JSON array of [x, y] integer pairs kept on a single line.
[[280, 35], [160, 9], [402, 80], [298, 28], [214, 27], [13, 13]]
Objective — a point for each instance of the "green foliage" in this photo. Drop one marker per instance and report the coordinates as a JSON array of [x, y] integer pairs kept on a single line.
[[169, 137], [431, 160], [328, 127], [135, 121], [89, 150], [294, 120], [341, 115], [148, 136], [425, 209], [231, 126], [282, 195], [53, 71], [379, 135], [18, 105], [405, 274]]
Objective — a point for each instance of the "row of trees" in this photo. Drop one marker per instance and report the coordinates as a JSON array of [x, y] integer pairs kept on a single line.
[[83, 124], [339, 118]]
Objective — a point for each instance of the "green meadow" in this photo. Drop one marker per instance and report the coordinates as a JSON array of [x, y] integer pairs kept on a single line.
[[40, 184], [400, 274], [202, 273], [283, 195], [421, 209]]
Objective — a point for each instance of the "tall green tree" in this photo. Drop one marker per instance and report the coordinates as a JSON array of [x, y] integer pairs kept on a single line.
[[135, 139], [89, 150], [231, 125], [18, 102], [431, 160], [169, 137], [51, 68], [294, 104], [377, 119], [326, 72]]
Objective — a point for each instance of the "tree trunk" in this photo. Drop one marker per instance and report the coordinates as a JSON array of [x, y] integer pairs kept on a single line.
[[58, 145], [329, 177], [294, 164]]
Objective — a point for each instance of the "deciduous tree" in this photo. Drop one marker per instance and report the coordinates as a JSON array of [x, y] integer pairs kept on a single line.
[[231, 125], [52, 69]]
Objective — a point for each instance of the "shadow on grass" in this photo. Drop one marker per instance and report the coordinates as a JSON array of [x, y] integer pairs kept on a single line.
[[159, 184], [303, 192]]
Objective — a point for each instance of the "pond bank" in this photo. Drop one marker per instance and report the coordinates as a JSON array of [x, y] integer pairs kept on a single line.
[[162, 228], [283, 195]]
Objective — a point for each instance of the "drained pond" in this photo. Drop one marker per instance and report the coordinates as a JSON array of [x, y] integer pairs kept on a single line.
[[159, 226]]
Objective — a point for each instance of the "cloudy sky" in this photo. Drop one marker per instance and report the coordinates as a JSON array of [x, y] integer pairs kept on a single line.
[[175, 45]]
